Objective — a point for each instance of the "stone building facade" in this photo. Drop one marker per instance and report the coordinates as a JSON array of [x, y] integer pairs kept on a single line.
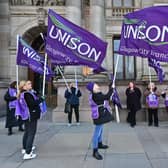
[[28, 18]]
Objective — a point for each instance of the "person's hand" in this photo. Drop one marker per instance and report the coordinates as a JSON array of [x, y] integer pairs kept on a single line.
[[42, 98]]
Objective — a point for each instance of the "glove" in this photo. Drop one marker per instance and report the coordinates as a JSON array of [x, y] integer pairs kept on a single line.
[[42, 98]]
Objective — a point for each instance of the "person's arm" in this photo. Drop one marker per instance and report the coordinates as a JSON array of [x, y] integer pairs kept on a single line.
[[67, 94], [9, 98], [147, 92], [79, 94]]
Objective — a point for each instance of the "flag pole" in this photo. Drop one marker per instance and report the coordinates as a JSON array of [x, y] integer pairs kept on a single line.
[[44, 75], [150, 78], [113, 86], [17, 67], [63, 78], [76, 82]]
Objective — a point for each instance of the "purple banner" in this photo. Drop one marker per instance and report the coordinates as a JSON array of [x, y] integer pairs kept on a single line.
[[145, 33], [158, 69], [69, 44], [27, 56]]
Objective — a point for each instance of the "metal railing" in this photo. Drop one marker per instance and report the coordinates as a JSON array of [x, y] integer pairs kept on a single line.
[[37, 2], [121, 11]]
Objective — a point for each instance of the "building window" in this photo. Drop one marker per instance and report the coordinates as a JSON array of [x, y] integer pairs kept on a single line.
[[123, 3], [126, 64]]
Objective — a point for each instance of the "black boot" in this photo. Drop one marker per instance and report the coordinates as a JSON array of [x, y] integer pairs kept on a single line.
[[20, 128], [97, 155], [10, 131], [102, 146]]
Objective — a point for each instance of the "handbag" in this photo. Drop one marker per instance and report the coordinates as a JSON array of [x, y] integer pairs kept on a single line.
[[67, 108], [105, 116]]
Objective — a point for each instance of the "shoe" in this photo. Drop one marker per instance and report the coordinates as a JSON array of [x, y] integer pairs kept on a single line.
[[23, 151], [10, 133], [78, 123], [69, 124], [21, 129], [149, 124], [29, 156], [97, 155], [102, 146], [156, 125]]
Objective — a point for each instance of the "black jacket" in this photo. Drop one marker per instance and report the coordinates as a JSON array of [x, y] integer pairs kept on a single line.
[[33, 105], [133, 98]]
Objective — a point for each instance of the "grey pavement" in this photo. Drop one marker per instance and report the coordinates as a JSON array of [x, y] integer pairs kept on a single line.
[[59, 146]]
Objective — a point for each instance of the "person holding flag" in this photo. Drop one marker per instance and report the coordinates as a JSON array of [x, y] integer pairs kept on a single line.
[[28, 107], [72, 95], [100, 115], [133, 95]]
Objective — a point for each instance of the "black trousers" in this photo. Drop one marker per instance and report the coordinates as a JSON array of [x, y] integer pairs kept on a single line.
[[132, 117], [29, 135], [76, 109], [153, 113]]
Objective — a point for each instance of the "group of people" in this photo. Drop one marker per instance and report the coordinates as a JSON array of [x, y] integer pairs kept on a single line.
[[133, 99], [23, 108]]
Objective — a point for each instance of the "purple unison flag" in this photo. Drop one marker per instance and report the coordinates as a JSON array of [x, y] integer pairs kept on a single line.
[[145, 33], [115, 98], [27, 56], [158, 69], [69, 44]]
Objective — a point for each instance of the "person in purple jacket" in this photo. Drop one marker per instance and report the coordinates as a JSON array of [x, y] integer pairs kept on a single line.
[[97, 101]]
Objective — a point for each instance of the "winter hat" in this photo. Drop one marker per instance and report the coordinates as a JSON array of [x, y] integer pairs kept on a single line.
[[90, 86]]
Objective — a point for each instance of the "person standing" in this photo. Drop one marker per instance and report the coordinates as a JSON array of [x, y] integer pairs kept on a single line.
[[30, 112], [164, 94], [11, 98], [72, 97], [133, 95], [97, 103], [152, 101]]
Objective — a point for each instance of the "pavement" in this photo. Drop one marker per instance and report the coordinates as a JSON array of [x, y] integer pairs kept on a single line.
[[59, 146]]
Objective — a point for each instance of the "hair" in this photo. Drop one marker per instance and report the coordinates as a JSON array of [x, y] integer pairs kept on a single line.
[[13, 84]]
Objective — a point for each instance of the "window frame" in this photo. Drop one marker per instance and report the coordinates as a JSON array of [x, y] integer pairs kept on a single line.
[[117, 37]]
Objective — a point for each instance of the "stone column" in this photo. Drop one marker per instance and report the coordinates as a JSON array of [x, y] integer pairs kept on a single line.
[[97, 21], [4, 40], [73, 13]]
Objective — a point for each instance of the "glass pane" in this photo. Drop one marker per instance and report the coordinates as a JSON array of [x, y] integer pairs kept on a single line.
[[119, 74], [128, 3], [117, 3], [129, 67], [116, 44]]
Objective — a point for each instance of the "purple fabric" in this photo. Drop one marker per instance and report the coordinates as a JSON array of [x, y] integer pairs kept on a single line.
[[90, 86], [27, 56], [69, 44], [144, 33], [158, 69], [166, 103], [94, 108], [22, 109], [152, 100], [115, 98], [12, 93]]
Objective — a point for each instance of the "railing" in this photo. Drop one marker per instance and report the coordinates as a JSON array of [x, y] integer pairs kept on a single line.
[[121, 11], [37, 2]]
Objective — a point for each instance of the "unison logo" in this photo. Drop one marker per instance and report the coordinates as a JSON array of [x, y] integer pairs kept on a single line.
[[68, 38], [153, 34]]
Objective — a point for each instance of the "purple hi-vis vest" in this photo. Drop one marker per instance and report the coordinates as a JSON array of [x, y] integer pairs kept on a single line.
[[12, 93], [166, 101], [152, 101], [22, 108], [94, 107]]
